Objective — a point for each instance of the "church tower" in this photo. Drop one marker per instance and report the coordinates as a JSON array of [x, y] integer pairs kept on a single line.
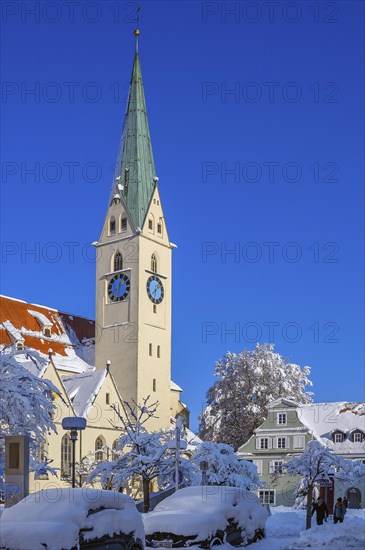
[[133, 269]]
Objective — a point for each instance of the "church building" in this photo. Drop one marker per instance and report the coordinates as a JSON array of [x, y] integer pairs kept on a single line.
[[126, 353]]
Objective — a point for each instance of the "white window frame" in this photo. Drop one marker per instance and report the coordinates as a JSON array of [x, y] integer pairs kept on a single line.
[[359, 434], [264, 447], [281, 416], [285, 442], [267, 492], [340, 436], [258, 464], [298, 442]]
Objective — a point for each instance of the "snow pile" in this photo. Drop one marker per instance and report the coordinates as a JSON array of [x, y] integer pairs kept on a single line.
[[201, 511], [53, 518], [349, 534], [284, 522]]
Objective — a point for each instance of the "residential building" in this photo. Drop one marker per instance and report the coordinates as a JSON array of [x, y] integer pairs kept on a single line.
[[285, 433]]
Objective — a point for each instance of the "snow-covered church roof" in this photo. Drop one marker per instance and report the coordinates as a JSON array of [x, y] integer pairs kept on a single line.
[[70, 337], [83, 388]]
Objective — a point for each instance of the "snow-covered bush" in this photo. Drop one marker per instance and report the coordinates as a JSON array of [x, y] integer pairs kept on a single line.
[[246, 383], [224, 468]]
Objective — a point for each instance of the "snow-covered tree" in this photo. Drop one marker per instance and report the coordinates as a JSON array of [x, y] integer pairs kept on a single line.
[[224, 468], [318, 463], [141, 454], [246, 383], [26, 401]]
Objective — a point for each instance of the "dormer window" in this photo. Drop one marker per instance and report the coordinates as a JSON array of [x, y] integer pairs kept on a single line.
[[47, 332], [281, 419], [19, 345], [112, 226], [358, 436], [338, 436]]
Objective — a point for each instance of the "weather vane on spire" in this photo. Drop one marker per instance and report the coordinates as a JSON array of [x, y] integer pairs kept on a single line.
[[137, 31]]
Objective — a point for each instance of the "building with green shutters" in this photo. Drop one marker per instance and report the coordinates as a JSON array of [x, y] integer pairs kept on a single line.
[[286, 432]]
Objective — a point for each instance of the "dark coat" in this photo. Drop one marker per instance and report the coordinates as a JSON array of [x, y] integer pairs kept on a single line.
[[321, 509]]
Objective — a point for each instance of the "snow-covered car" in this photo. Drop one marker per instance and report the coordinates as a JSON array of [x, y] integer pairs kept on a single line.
[[70, 519], [206, 515]]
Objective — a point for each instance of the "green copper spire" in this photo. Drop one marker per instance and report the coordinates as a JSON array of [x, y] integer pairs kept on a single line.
[[136, 168]]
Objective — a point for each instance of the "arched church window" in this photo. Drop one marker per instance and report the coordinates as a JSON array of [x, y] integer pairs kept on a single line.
[[118, 261], [115, 449], [112, 226], [66, 456], [154, 263], [99, 444]]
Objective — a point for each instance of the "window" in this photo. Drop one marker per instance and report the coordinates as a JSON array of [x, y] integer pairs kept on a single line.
[[267, 497], [66, 456], [47, 332], [338, 438], [281, 442], [298, 442], [19, 346], [123, 224], [115, 453], [112, 226], [282, 419], [357, 437], [41, 455], [264, 443], [99, 444], [154, 263], [118, 261], [107, 398], [258, 464], [154, 308], [154, 384], [150, 349], [150, 225], [276, 466], [41, 452], [158, 352], [159, 228]]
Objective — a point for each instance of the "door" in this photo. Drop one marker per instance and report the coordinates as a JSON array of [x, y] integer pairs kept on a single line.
[[354, 497]]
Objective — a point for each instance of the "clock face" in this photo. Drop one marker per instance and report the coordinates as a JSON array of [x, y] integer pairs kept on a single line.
[[118, 287], [155, 289]]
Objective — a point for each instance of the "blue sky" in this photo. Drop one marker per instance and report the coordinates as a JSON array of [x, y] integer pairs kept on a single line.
[[256, 118]]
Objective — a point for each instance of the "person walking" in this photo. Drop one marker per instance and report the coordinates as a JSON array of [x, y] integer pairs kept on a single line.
[[320, 507], [339, 511]]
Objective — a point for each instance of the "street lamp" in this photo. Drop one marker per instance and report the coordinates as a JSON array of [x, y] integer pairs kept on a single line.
[[74, 424]]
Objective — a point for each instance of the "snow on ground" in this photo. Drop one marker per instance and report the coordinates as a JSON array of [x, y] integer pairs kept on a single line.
[[285, 530]]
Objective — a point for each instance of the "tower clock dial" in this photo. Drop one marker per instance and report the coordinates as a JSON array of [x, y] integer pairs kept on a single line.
[[155, 289], [119, 287]]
